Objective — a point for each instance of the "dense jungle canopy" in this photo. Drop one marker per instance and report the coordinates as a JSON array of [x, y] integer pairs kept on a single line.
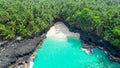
[[27, 17]]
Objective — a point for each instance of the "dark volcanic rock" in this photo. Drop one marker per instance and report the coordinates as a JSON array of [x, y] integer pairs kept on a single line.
[[96, 41], [13, 50], [16, 51], [91, 40]]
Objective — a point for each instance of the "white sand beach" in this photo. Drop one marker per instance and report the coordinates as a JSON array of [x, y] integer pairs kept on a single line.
[[61, 31]]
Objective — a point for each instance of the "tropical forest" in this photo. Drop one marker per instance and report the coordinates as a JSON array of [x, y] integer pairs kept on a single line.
[[27, 18]]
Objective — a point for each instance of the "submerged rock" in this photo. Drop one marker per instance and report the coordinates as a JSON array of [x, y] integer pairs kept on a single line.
[[88, 51]]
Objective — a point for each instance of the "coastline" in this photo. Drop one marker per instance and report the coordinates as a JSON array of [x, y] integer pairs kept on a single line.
[[17, 51], [91, 40]]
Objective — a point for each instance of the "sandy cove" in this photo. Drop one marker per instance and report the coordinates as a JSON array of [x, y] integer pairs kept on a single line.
[[61, 31]]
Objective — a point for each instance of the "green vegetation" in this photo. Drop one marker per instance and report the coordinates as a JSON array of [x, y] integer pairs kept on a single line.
[[26, 17]]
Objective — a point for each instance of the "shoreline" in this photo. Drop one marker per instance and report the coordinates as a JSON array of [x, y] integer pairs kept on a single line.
[[62, 33], [91, 40], [15, 52]]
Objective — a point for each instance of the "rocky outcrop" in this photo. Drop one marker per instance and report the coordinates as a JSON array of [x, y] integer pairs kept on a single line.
[[17, 52], [91, 40]]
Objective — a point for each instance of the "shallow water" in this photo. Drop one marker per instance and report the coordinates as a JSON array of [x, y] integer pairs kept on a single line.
[[56, 53]]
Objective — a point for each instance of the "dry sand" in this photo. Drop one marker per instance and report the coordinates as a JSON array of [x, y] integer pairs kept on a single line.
[[61, 31]]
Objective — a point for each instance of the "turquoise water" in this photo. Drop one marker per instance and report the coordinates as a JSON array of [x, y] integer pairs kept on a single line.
[[57, 53]]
